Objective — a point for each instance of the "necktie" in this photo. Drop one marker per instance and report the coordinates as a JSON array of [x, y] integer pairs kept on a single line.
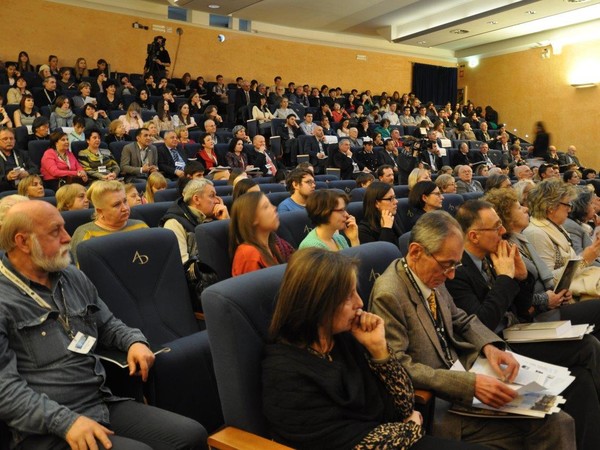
[[487, 272], [270, 165], [247, 98], [176, 156], [432, 304]]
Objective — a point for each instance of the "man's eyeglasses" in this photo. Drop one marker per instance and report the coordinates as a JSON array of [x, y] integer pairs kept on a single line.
[[495, 229], [447, 267]]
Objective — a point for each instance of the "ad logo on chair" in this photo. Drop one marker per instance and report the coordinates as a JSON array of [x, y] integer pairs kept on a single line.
[[140, 259]]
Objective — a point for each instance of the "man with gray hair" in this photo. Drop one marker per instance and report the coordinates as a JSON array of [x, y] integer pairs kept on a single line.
[[199, 204], [429, 334], [211, 128], [53, 387], [523, 172]]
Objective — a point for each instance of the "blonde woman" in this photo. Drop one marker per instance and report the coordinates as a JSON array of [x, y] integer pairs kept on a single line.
[[156, 182], [71, 197], [111, 214], [132, 119], [418, 175]]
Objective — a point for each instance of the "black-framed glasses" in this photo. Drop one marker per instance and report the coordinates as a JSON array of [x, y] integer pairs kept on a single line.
[[447, 268], [340, 210], [568, 205], [388, 199]]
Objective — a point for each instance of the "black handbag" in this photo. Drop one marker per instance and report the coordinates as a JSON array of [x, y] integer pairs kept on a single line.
[[198, 276]]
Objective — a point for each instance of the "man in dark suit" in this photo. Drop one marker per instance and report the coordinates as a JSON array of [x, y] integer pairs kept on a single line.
[[288, 132], [345, 161], [243, 97], [482, 133], [48, 94], [428, 333], [140, 158], [389, 156], [317, 149], [14, 164], [430, 155], [483, 155], [503, 143], [569, 157], [171, 158], [493, 283], [462, 157], [513, 158], [262, 158]]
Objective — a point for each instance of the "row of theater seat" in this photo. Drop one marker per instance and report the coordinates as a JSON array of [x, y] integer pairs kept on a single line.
[[216, 382]]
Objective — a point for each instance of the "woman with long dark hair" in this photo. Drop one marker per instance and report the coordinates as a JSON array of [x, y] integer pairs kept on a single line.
[[253, 244], [380, 219]]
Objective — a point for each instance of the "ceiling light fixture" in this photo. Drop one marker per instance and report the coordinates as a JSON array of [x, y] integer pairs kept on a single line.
[[530, 12], [577, 1], [459, 31], [214, 6], [583, 85], [422, 42], [492, 22]]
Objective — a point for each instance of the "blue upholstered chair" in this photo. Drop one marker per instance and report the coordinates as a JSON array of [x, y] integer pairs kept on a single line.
[[150, 213], [344, 185], [374, 258], [166, 195], [277, 197], [451, 203], [140, 277], [238, 313], [355, 209], [212, 239], [74, 219], [357, 194], [403, 243], [294, 226]]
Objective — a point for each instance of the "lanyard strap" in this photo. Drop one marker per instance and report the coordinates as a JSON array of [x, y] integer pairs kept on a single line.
[[438, 324], [64, 321], [14, 154]]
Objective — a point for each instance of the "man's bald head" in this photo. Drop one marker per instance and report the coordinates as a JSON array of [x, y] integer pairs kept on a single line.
[[26, 217]]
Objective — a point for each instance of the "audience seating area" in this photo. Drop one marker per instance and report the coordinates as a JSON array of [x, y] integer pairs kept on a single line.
[[213, 375]]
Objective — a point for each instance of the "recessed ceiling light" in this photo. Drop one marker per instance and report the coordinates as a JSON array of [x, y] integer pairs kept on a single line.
[[459, 31], [214, 6], [422, 42], [531, 12], [577, 1], [492, 22]]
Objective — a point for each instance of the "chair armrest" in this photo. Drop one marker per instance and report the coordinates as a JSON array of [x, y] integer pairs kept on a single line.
[[423, 397], [231, 438]]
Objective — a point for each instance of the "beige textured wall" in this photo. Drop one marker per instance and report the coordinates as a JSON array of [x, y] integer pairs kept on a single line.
[[525, 88], [96, 34]]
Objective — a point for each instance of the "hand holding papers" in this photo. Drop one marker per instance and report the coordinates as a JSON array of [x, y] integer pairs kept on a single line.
[[537, 385]]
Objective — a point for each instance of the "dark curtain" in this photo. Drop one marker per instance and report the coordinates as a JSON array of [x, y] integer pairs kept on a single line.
[[435, 83]]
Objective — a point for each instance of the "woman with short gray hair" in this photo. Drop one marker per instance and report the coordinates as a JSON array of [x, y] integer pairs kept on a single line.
[[446, 183], [577, 225], [550, 203]]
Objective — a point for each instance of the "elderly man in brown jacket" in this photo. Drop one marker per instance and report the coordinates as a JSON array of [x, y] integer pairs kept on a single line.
[[429, 333]]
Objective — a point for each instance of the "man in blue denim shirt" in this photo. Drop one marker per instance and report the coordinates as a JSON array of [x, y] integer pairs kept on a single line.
[[53, 397]]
